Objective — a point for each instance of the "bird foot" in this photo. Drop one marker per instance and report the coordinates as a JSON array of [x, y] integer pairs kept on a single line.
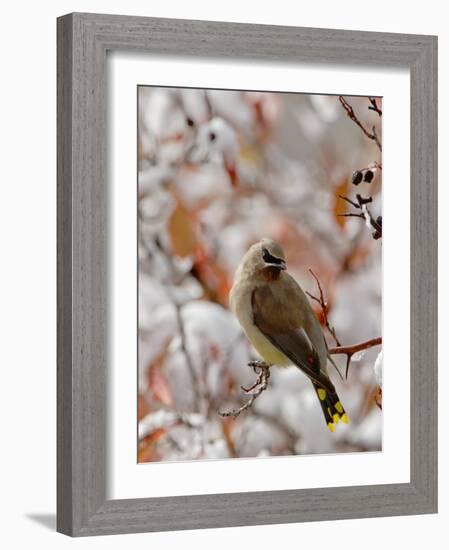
[[262, 370]]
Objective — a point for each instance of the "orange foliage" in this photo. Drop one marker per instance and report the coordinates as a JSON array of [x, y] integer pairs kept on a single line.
[[214, 278], [147, 451], [181, 228], [340, 206]]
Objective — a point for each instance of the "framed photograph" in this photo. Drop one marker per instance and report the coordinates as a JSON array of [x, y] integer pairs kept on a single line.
[[247, 274]]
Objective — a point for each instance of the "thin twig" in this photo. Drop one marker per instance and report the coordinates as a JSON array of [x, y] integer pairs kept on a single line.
[[365, 213], [375, 137], [189, 362], [263, 371], [361, 200], [349, 351], [324, 308], [351, 114], [356, 347], [374, 107]]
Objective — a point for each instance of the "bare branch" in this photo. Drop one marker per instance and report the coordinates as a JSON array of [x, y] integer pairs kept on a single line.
[[324, 307], [356, 204], [351, 114], [374, 106], [262, 369], [349, 351], [365, 213], [356, 347], [189, 362], [375, 137]]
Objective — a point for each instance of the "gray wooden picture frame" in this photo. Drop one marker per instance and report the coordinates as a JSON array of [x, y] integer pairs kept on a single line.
[[83, 41]]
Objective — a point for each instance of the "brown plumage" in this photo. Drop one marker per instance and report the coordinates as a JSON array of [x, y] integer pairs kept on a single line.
[[287, 332]]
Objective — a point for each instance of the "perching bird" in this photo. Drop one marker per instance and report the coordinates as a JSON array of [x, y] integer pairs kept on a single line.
[[280, 323]]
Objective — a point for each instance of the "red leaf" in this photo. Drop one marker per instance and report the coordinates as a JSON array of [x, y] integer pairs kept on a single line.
[[147, 451]]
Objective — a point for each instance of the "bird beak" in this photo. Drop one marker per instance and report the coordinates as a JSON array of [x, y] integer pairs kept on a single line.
[[281, 266]]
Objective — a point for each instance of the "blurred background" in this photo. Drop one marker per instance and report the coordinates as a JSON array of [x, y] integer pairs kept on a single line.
[[218, 170]]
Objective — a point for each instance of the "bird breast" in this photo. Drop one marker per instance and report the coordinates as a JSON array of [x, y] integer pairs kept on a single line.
[[240, 303]]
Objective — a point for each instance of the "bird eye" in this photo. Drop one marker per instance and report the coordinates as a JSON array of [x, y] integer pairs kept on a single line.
[[265, 255]]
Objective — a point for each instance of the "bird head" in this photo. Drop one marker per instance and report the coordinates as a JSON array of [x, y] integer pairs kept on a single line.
[[265, 258]]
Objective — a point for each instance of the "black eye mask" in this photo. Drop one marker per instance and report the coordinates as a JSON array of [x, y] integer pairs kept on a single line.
[[269, 259]]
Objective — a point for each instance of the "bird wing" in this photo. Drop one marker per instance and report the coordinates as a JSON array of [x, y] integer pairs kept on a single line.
[[286, 333]]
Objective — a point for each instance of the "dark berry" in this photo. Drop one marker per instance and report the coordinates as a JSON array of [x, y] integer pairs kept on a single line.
[[357, 177], [190, 122], [369, 175]]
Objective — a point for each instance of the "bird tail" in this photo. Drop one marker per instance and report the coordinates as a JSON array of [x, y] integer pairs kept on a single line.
[[331, 405]]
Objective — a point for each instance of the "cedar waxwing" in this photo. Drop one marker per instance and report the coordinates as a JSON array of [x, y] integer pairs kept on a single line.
[[280, 323]]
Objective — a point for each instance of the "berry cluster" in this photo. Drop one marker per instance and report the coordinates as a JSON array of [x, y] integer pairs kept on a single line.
[[365, 174]]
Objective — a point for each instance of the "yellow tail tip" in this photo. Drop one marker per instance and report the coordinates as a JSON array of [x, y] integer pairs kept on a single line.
[[330, 425], [345, 418], [336, 418], [321, 394]]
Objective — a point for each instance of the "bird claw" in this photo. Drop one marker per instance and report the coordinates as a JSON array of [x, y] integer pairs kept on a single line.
[[259, 367], [262, 370]]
